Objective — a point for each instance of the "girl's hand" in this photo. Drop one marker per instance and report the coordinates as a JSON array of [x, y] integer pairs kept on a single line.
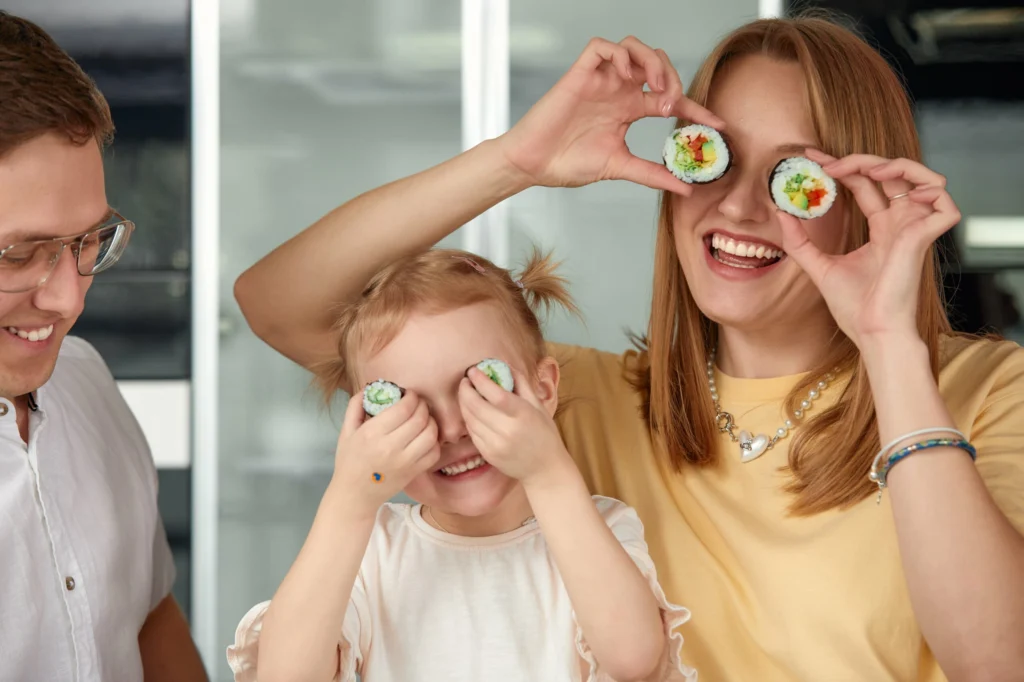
[[397, 445], [512, 431], [872, 292], [575, 134]]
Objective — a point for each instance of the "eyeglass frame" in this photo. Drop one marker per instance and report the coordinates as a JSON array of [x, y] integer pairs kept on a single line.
[[114, 219]]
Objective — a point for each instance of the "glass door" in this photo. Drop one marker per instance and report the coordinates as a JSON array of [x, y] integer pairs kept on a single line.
[[318, 102]]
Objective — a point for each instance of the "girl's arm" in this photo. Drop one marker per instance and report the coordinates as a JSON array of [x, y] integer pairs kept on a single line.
[[303, 625], [615, 607]]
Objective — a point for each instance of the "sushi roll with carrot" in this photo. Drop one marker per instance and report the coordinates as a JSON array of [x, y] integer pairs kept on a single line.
[[800, 187], [380, 395], [696, 154], [498, 372]]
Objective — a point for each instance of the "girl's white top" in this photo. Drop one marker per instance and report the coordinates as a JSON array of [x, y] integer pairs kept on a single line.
[[428, 605]]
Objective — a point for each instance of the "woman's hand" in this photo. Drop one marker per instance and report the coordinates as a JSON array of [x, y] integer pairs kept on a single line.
[[575, 134], [872, 292], [397, 445], [512, 431]]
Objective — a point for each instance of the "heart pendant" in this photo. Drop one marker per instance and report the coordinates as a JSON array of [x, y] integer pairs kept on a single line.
[[752, 447]]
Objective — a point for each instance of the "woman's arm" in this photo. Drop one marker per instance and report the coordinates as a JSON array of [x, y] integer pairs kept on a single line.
[[615, 607], [575, 135], [963, 559], [291, 309]]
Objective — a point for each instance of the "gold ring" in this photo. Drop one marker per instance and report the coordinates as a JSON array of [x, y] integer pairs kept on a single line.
[[899, 196]]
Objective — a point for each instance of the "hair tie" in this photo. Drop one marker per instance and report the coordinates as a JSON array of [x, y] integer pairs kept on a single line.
[[471, 263], [519, 283]]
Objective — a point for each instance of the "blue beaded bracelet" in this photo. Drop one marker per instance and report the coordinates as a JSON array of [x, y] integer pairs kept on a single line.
[[879, 477]]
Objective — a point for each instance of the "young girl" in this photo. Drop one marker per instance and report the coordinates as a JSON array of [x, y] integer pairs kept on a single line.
[[507, 568]]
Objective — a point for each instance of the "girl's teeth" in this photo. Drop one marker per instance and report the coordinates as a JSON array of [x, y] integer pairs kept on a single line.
[[464, 467]]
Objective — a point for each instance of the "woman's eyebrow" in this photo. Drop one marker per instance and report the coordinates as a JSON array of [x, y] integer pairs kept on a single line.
[[794, 147]]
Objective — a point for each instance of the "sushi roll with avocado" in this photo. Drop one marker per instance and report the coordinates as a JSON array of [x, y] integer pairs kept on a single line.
[[697, 154], [800, 187], [380, 395], [498, 372]]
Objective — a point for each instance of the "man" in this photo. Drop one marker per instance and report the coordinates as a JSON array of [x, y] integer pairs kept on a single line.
[[86, 571]]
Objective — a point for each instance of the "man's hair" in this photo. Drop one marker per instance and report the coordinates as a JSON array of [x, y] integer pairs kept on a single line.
[[43, 90]]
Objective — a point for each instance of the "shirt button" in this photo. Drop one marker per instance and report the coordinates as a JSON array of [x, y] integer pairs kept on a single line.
[[3, 409], [69, 583]]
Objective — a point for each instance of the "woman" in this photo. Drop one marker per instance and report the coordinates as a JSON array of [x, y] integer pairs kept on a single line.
[[792, 568]]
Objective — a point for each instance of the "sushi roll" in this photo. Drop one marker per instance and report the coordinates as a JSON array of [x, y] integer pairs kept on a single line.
[[696, 154], [800, 187], [380, 395], [498, 372]]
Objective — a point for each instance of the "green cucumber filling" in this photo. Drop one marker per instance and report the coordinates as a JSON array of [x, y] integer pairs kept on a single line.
[[379, 396]]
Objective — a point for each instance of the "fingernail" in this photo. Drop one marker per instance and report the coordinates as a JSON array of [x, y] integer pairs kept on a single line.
[[629, 72], [660, 83], [666, 109]]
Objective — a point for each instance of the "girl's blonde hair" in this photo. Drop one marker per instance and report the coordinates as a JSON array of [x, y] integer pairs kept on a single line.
[[857, 104], [437, 281]]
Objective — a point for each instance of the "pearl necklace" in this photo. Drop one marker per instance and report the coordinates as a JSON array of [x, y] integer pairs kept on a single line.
[[753, 446]]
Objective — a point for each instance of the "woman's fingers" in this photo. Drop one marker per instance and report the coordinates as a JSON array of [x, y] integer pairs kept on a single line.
[[648, 59], [798, 246], [852, 171], [674, 86], [599, 51], [649, 174], [915, 173], [688, 110]]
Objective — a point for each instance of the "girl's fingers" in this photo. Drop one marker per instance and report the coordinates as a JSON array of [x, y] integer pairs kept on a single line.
[[354, 415]]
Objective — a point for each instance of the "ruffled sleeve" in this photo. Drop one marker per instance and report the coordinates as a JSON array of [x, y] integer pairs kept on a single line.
[[629, 530], [243, 654]]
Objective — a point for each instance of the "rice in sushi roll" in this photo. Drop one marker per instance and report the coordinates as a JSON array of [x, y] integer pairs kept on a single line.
[[800, 187], [380, 395], [696, 154], [498, 372]]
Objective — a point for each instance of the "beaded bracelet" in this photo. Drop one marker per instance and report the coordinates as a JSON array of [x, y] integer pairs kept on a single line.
[[879, 477], [876, 464]]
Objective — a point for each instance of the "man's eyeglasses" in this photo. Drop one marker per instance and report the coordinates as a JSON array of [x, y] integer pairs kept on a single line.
[[26, 266]]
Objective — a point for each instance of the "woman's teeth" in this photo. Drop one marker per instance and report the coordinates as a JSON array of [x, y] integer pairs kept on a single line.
[[744, 249], [462, 468], [32, 334]]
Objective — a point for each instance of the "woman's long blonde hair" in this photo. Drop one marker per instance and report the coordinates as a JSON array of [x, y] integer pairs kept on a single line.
[[858, 104]]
